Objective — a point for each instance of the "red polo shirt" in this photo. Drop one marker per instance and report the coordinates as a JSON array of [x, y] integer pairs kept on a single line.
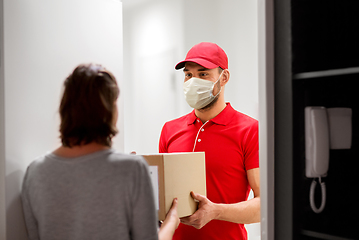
[[230, 143]]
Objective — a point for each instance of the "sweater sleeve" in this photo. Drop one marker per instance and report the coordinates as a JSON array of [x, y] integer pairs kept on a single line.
[[144, 218], [30, 220]]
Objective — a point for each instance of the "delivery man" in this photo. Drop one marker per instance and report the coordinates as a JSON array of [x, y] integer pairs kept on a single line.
[[230, 142]]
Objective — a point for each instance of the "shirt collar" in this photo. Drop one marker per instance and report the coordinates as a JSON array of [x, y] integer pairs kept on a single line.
[[223, 118]]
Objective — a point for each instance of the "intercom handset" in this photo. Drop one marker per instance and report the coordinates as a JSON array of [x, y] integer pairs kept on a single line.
[[316, 142], [324, 129], [316, 150]]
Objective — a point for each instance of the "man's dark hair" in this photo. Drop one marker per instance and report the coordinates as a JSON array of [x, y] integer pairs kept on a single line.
[[87, 106]]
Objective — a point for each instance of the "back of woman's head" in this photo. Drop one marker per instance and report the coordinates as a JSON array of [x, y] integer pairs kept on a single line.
[[88, 108]]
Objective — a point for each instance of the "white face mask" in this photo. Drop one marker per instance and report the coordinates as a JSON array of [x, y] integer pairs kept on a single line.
[[199, 92]]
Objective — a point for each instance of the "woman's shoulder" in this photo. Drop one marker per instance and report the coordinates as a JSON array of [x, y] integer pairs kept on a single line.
[[117, 157]]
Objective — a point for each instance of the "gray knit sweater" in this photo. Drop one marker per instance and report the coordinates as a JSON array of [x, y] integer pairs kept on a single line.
[[105, 195]]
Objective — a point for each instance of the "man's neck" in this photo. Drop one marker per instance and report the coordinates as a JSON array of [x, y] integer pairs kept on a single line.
[[208, 114]]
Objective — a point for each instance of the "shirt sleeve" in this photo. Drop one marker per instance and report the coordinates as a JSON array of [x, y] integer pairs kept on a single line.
[[30, 220], [163, 141], [144, 218], [251, 157]]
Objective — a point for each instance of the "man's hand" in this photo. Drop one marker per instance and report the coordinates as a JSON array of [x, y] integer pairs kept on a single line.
[[244, 212], [206, 212]]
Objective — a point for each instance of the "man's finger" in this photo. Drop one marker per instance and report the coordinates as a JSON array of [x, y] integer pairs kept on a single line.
[[197, 196], [185, 220]]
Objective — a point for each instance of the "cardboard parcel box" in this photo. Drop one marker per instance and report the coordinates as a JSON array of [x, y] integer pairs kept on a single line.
[[175, 175]]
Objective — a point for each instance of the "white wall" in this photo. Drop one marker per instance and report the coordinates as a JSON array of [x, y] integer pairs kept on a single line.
[[152, 89], [44, 41], [157, 35]]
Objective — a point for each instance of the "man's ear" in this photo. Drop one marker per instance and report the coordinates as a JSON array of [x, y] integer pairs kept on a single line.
[[226, 74]]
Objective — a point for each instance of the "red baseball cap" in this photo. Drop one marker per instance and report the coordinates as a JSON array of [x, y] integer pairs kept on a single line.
[[206, 54]]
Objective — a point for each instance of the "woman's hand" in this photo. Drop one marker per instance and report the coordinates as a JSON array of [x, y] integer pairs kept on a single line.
[[170, 224]]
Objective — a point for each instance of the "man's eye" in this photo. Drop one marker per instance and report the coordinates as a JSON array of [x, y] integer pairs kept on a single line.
[[203, 74]]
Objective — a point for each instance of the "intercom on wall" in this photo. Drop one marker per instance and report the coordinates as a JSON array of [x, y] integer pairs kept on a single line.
[[324, 129]]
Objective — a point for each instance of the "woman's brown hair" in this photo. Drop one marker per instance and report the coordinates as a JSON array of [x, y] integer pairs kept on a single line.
[[87, 107]]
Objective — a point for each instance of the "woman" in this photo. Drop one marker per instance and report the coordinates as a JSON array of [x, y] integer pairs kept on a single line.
[[85, 189]]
